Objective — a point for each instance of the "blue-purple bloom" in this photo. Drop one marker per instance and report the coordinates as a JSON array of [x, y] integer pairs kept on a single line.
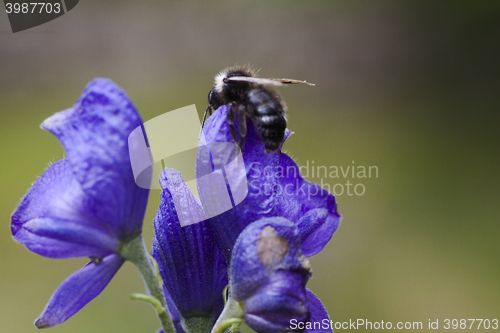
[[300, 216], [86, 205], [268, 277], [269, 270], [191, 264], [275, 188]]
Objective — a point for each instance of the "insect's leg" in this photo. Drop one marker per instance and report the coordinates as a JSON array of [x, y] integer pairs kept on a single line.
[[209, 111], [230, 113], [230, 120], [242, 125]]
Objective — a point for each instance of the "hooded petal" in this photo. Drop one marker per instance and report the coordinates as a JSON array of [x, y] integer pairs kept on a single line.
[[191, 265], [269, 274], [94, 133], [77, 290], [55, 218], [275, 188]]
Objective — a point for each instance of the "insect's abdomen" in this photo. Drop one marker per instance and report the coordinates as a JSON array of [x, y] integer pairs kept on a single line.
[[269, 117]]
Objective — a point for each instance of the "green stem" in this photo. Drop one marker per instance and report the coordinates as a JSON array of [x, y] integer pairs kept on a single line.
[[230, 318], [149, 299], [135, 251]]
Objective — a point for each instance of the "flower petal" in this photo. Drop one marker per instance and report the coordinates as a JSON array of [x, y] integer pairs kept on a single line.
[[308, 204], [172, 309], [318, 315], [280, 300], [316, 228], [191, 265], [262, 325], [262, 248], [269, 274], [275, 188], [64, 239], [77, 290], [94, 133], [55, 218]]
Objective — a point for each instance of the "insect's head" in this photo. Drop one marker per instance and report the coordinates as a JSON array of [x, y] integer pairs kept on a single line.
[[213, 99]]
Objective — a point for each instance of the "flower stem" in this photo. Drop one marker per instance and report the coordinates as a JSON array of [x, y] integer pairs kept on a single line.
[[149, 299], [135, 251], [230, 318]]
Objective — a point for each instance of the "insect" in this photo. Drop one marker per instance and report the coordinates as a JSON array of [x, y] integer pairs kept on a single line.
[[248, 96]]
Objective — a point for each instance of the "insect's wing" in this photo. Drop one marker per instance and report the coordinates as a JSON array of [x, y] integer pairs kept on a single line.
[[265, 82], [291, 81], [255, 80]]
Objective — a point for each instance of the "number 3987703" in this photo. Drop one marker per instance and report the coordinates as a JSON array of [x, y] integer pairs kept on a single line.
[[33, 8]]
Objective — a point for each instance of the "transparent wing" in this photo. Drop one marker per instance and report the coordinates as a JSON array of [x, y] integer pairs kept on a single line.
[[292, 81], [263, 81]]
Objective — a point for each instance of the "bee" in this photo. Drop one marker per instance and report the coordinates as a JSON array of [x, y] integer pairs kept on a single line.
[[248, 96]]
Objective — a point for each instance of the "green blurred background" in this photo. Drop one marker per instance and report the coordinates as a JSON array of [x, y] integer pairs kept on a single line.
[[410, 87]]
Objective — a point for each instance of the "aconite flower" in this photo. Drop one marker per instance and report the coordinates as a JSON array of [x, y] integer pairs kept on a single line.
[[86, 205], [191, 264], [268, 279], [275, 188]]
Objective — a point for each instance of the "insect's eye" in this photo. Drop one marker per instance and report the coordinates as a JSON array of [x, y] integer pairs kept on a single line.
[[213, 99], [210, 96]]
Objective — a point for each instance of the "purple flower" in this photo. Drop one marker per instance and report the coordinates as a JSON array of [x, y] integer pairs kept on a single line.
[[86, 205], [268, 277], [319, 321], [275, 188], [191, 264]]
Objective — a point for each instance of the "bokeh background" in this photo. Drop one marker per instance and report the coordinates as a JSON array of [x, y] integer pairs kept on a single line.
[[410, 87]]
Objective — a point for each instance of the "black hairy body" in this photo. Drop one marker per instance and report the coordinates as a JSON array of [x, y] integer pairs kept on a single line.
[[249, 97]]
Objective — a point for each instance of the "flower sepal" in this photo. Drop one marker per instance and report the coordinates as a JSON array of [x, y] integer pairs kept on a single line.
[[197, 324]]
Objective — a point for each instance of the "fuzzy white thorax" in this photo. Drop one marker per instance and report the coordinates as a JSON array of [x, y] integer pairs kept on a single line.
[[219, 80]]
